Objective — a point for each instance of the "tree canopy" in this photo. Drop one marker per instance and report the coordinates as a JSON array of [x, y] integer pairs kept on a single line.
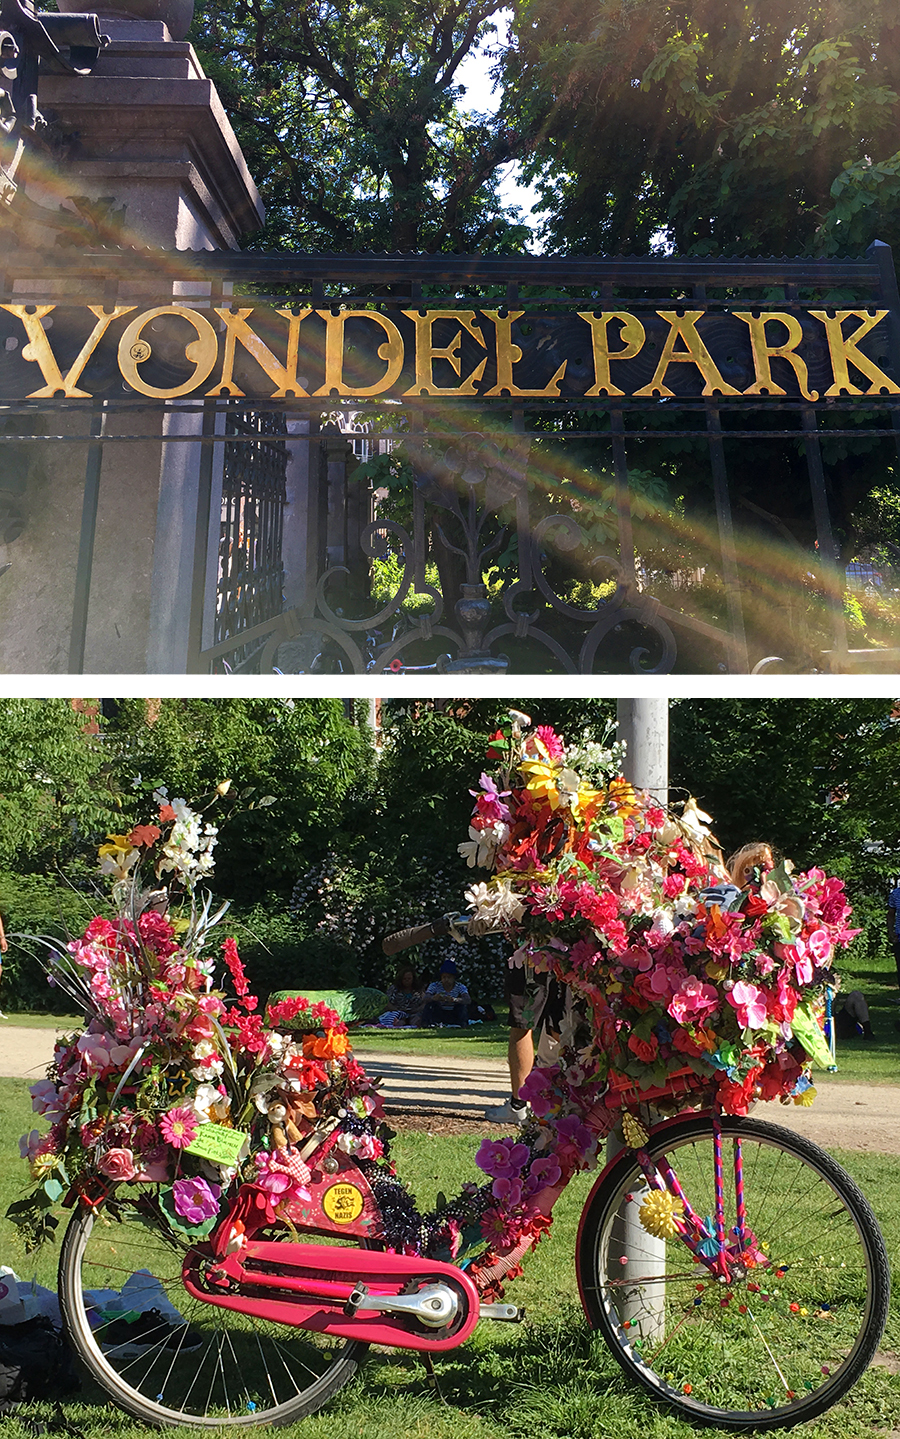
[[728, 129], [348, 116]]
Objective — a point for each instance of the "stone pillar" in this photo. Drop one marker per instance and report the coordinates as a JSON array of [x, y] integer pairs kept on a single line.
[[149, 132], [150, 145]]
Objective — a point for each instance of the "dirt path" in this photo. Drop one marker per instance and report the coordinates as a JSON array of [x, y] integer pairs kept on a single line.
[[845, 1116]]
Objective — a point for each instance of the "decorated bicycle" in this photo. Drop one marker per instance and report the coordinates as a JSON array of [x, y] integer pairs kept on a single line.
[[230, 1174]]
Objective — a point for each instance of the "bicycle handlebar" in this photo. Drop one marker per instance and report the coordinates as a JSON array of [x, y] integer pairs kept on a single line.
[[418, 934]]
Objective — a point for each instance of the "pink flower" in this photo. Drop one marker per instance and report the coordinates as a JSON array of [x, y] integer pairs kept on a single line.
[[545, 1169], [819, 945], [540, 1092], [693, 1001], [673, 884], [117, 1164], [179, 1126], [502, 1158], [29, 1144], [551, 742], [750, 1004], [45, 1098], [499, 1228], [508, 1191], [195, 1200]]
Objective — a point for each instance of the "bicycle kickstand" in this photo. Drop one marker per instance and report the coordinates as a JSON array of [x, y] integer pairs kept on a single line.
[[432, 1379]]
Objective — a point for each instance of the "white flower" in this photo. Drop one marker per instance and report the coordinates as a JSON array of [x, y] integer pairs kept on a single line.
[[482, 844], [493, 905]]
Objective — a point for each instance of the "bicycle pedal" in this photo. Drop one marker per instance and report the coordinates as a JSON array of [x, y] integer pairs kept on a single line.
[[507, 1313]]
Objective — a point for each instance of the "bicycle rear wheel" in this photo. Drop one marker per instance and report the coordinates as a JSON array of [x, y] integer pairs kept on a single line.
[[785, 1341], [181, 1361]]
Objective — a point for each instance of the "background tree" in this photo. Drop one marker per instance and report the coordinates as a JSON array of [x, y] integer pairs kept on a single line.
[[730, 129], [348, 117], [353, 848]]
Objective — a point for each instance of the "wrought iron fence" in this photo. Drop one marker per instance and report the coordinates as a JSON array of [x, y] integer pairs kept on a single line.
[[250, 583], [521, 537]]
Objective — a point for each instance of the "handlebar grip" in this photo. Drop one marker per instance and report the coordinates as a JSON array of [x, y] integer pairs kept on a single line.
[[418, 934]]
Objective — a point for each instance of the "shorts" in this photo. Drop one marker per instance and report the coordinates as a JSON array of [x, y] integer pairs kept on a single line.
[[536, 1000]]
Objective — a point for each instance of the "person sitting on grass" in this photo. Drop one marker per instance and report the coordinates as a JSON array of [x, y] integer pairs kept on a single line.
[[447, 999], [405, 1000]]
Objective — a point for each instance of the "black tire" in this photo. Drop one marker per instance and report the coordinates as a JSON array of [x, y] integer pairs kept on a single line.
[[205, 1367], [788, 1357]]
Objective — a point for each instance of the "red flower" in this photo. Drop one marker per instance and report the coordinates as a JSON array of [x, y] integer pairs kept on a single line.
[[645, 1049], [238, 974], [498, 737], [166, 813], [735, 1097]]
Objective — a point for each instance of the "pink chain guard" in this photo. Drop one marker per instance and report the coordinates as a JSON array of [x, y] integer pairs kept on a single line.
[[309, 1285]]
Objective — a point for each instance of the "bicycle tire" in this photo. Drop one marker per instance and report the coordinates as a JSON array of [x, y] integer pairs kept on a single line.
[[206, 1367], [745, 1362]]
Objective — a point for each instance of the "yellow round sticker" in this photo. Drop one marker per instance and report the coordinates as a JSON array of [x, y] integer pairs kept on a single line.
[[342, 1203]]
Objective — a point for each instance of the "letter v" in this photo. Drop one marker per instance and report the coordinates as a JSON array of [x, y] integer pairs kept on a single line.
[[38, 349]]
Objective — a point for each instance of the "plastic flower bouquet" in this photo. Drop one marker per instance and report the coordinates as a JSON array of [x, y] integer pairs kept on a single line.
[[679, 978], [175, 1091]]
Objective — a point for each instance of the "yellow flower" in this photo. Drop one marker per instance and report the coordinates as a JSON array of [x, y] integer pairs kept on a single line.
[[807, 1097], [116, 844], [658, 1211], [716, 971], [622, 795], [540, 780]]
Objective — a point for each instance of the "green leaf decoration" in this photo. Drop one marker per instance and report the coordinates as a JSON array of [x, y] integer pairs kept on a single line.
[[806, 1029]]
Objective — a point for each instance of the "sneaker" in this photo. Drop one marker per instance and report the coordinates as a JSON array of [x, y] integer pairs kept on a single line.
[[508, 1113], [126, 1336]]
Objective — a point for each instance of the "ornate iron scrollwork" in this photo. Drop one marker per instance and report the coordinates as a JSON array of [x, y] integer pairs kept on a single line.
[[468, 500]]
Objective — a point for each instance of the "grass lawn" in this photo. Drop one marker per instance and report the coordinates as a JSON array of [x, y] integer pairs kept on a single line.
[[63, 1023], [545, 1379]]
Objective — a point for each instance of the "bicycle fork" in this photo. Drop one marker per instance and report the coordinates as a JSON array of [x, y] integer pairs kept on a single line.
[[711, 1249]]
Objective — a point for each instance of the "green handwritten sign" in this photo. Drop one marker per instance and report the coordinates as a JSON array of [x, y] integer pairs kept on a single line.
[[218, 1143]]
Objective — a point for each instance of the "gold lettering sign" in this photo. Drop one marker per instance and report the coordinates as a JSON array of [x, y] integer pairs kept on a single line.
[[842, 349], [773, 335], [684, 328], [201, 353], [427, 352], [509, 354], [284, 376], [763, 352], [632, 333], [38, 349], [390, 351]]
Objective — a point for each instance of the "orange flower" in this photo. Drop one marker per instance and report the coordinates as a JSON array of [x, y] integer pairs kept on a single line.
[[144, 834], [327, 1046]]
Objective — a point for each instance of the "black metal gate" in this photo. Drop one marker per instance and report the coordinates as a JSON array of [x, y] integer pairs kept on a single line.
[[250, 582], [519, 532]]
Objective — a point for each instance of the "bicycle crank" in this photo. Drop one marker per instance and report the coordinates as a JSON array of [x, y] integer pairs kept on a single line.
[[391, 1299]]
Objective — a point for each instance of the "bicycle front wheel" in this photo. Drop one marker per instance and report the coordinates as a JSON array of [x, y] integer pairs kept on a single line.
[[168, 1358], [782, 1341]]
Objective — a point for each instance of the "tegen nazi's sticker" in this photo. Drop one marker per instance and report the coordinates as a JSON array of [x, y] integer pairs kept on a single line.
[[343, 1203]]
